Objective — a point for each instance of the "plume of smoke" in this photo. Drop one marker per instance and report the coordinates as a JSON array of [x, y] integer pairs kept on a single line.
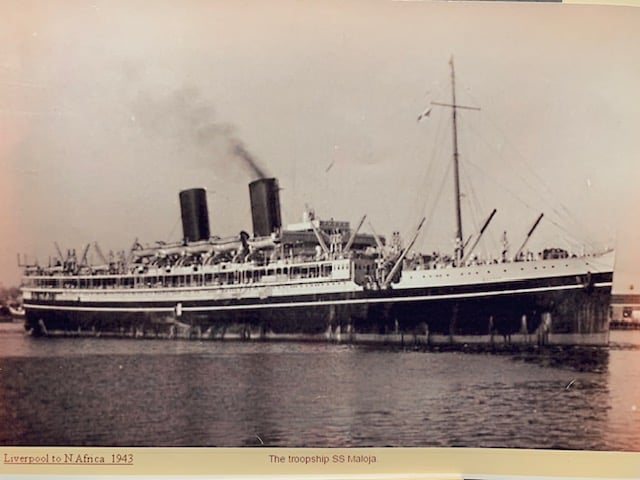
[[241, 152], [189, 120]]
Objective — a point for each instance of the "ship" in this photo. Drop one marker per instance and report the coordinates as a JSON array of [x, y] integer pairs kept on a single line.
[[321, 280]]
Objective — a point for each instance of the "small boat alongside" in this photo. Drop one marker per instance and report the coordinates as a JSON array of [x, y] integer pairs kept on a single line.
[[17, 312]]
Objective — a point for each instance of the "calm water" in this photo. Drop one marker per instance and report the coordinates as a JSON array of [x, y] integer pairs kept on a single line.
[[179, 393]]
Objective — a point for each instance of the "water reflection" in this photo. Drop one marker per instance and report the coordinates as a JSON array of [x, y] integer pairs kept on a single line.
[[579, 359], [127, 392]]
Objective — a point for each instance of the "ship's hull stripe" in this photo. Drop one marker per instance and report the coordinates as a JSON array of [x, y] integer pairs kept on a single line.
[[276, 305]]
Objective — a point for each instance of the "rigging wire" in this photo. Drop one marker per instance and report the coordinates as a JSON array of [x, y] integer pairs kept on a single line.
[[552, 200], [173, 229], [470, 194], [433, 91], [521, 200], [422, 200], [488, 238], [475, 206], [437, 198], [564, 217]]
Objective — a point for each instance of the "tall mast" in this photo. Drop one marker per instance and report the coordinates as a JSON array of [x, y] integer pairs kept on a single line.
[[459, 252], [456, 168]]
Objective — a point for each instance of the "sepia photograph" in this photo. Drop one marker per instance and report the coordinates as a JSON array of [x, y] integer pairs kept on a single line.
[[319, 224]]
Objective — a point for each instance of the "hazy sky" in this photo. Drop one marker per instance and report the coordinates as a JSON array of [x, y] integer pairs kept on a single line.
[[108, 109]]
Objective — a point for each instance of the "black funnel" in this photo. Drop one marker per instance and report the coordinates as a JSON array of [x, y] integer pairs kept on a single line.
[[195, 215], [265, 206]]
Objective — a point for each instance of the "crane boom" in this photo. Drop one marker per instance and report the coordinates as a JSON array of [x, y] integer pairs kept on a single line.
[[102, 257], [60, 256], [535, 225], [396, 266], [353, 235], [376, 238], [475, 244], [321, 241]]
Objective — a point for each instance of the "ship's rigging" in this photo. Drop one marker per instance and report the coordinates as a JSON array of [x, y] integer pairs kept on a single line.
[[466, 172], [459, 240]]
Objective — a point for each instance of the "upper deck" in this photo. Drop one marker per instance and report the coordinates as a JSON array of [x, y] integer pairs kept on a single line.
[[201, 275]]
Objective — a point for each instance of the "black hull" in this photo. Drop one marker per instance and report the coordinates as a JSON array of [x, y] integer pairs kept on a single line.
[[566, 314]]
